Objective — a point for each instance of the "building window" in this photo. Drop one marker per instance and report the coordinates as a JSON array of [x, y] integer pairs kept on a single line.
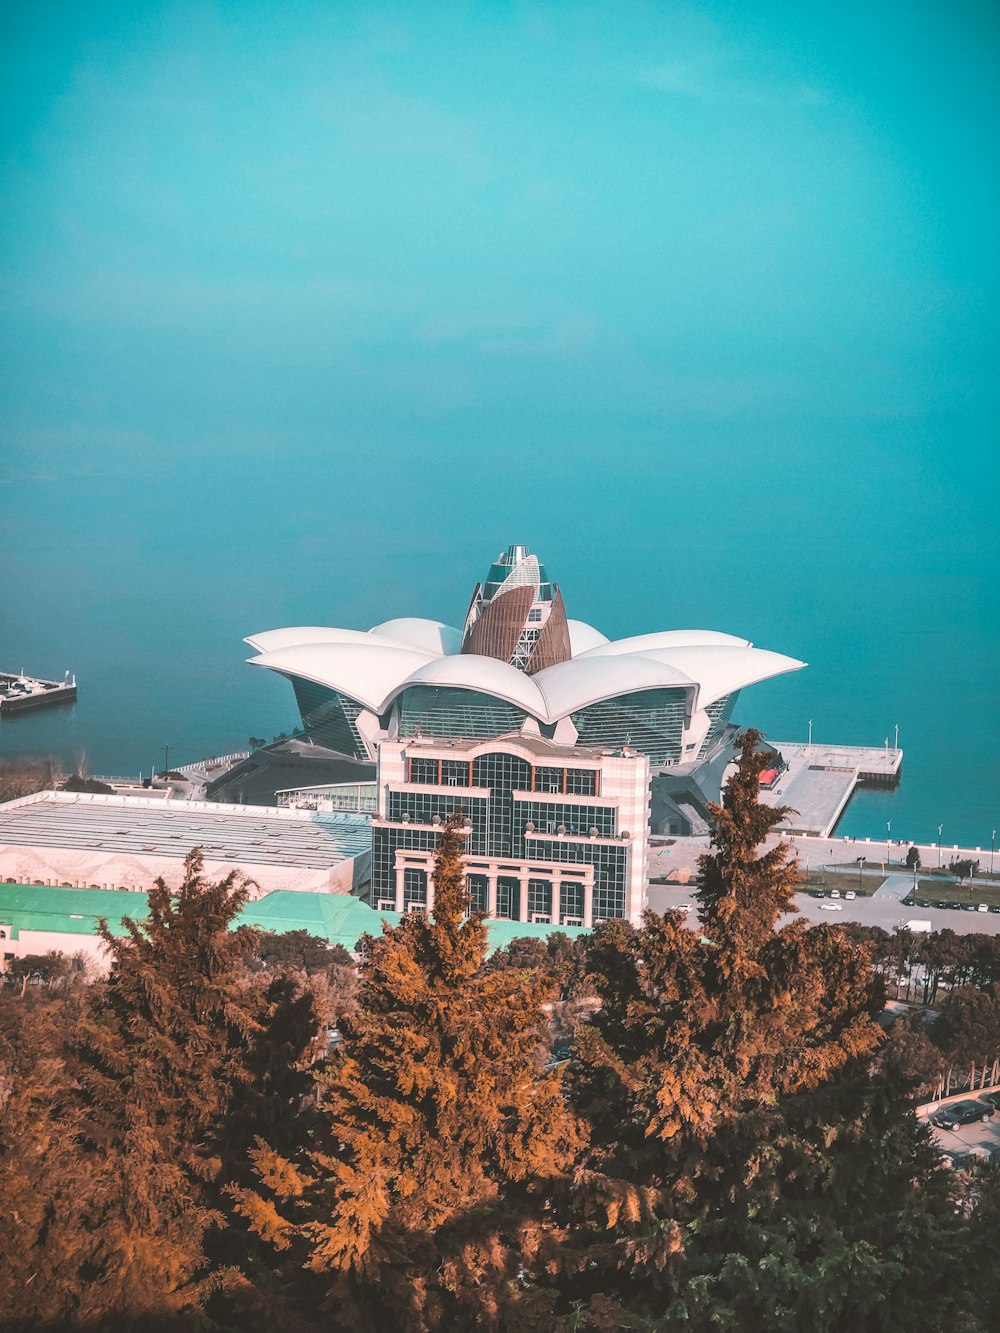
[[581, 782], [549, 780], [570, 900], [478, 893], [550, 816], [539, 897], [426, 772], [508, 898], [414, 887], [454, 773]]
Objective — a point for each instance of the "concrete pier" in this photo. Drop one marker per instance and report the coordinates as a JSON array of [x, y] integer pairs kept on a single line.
[[820, 779]]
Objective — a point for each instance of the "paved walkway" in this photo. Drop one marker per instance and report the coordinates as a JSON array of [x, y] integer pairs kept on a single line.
[[883, 909]]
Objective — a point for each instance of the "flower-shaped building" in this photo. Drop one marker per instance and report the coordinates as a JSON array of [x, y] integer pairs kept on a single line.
[[517, 665]]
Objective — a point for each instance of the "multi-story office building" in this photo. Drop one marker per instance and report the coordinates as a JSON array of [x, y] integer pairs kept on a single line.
[[556, 834], [547, 693]]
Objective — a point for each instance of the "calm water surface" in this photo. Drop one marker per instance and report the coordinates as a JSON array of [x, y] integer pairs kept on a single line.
[[145, 590]]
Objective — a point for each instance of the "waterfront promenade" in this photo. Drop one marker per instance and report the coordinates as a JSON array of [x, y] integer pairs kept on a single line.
[[819, 780]]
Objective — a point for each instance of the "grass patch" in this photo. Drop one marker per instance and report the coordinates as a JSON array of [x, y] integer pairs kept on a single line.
[[846, 882], [929, 890]]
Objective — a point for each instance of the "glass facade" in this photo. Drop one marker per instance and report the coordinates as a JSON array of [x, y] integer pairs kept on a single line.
[[498, 831], [423, 807], [549, 816], [329, 717], [435, 710], [610, 869], [649, 720], [721, 713]]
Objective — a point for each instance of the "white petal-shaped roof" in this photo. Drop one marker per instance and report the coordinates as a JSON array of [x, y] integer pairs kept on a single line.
[[570, 686], [583, 637], [368, 672], [668, 638], [273, 639], [720, 669], [487, 675], [432, 636]]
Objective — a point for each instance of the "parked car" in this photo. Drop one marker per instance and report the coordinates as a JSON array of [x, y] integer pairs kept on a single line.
[[995, 907], [834, 893], [850, 894], [831, 907], [983, 907], [962, 1113], [992, 1099]]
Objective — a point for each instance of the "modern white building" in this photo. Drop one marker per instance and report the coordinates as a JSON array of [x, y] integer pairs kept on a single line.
[[519, 666], [520, 691]]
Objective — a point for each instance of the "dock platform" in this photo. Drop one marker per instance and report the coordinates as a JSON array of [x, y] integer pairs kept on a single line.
[[819, 780], [21, 692]]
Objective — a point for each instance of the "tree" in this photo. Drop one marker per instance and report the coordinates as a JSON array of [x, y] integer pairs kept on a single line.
[[963, 869], [441, 1137], [747, 1170], [178, 1062], [299, 949], [913, 858]]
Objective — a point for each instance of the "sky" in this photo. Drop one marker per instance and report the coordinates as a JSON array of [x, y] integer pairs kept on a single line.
[[309, 309]]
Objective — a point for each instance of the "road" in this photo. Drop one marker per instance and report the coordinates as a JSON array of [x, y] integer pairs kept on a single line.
[[883, 909]]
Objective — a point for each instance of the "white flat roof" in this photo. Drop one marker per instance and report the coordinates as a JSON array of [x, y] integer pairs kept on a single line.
[[241, 834]]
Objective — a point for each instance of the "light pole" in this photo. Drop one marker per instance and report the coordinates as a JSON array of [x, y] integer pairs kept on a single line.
[[810, 731], [993, 843], [895, 744], [888, 843], [166, 759], [940, 827], [861, 866]]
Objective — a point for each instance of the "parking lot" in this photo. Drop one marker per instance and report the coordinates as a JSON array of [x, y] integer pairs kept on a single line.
[[981, 1138]]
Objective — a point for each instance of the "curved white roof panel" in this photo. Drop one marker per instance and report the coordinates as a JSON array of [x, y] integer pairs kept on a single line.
[[720, 669], [271, 640], [668, 638], [487, 675], [367, 672], [583, 637], [570, 686], [431, 636]]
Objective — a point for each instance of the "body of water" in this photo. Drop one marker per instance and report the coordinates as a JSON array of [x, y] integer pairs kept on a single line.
[[150, 615]]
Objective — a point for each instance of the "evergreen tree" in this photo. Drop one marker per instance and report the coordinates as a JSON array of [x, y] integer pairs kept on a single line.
[[748, 1171], [178, 1062], [425, 1200]]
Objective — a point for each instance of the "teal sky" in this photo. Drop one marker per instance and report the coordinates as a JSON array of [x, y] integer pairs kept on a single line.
[[309, 309]]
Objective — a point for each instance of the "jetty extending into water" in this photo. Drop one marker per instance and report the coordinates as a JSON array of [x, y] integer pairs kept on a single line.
[[19, 693], [818, 781]]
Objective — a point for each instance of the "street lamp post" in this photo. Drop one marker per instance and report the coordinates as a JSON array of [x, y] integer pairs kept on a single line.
[[940, 827], [993, 843], [810, 731], [861, 866], [888, 841], [166, 759]]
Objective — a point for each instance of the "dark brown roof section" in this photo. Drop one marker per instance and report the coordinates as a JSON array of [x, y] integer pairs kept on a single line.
[[498, 629], [553, 644]]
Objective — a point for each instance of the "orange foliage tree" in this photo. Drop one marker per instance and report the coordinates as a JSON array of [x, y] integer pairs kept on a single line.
[[426, 1200]]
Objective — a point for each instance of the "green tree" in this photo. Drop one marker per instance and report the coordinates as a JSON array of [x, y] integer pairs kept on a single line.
[[425, 1199], [747, 1169], [913, 858]]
